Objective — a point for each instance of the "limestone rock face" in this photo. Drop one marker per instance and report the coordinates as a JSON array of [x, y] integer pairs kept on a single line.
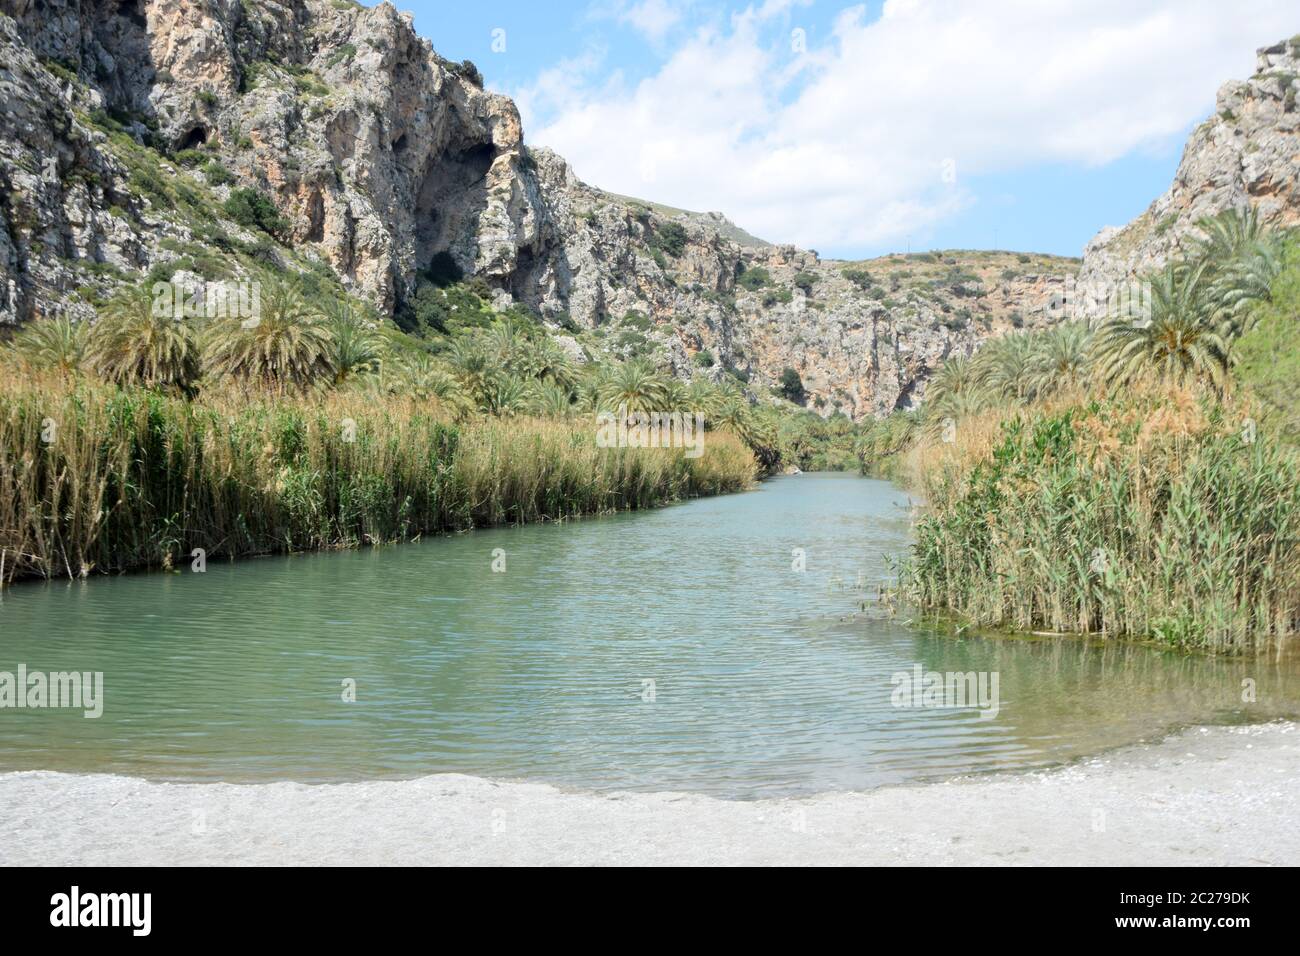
[[379, 152], [1246, 155], [127, 123]]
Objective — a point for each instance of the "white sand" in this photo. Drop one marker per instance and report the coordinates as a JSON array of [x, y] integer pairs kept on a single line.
[[1207, 796]]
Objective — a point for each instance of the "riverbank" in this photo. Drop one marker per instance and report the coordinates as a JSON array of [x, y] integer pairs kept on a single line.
[[1155, 515], [101, 478], [1207, 796], [1135, 478]]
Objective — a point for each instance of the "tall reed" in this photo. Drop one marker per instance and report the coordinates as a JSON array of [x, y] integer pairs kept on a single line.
[[1154, 516], [97, 478]]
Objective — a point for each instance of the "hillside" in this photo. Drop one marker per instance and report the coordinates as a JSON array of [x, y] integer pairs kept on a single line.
[[1246, 154], [202, 140], [707, 220]]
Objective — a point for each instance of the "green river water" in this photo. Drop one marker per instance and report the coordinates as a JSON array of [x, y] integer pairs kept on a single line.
[[676, 649]]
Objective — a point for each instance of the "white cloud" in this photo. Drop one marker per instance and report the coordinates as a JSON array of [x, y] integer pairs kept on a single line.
[[654, 18], [844, 145]]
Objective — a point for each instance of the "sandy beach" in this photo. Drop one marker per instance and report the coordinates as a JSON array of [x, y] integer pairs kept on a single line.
[[1207, 796]]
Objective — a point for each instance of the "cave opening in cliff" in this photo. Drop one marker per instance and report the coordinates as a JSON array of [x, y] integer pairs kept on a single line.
[[194, 138], [133, 10], [451, 198]]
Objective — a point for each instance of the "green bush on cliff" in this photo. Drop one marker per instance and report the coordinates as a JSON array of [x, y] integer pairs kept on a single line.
[[671, 238], [254, 210]]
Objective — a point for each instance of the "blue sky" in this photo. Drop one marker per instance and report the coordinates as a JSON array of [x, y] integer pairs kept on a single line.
[[869, 128]]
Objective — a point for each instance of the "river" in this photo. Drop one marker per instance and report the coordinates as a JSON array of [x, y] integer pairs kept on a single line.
[[730, 646]]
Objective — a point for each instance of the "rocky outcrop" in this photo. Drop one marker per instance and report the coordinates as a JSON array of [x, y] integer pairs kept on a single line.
[[128, 124], [864, 343], [1246, 155], [377, 151]]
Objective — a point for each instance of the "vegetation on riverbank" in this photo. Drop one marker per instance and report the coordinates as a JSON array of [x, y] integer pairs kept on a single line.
[[1151, 516], [180, 425], [102, 477], [1137, 480]]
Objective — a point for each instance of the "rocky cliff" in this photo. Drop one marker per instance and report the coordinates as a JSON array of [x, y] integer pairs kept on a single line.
[[129, 124], [1246, 155]]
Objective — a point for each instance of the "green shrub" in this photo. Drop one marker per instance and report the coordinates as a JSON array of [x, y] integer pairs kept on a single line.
[[636, 320], [310, 84], [859, 277], [217, 174], [65, 71], [254, 210], [343, 54], [805, 281], [631, 342], [791, 385], [754, 278], [443, 310], [671, 238]]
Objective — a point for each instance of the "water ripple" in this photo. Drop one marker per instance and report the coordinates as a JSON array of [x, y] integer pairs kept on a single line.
[[765, 680]]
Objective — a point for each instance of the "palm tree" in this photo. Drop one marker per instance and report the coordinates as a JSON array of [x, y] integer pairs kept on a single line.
[[505, 394], [1061, 357], [1243, 258], [953, 408], [1239, 284], [957, 388], [507, 344], [1180, 342], [286, 346], [954, 377], [420, 375], [734, 414], [636, 386], [888, 436], [674, 394], [474, 368], [1002, 366], [1228, 234], [551, 400], [133, 343], [554, 364], [354, 347], [56, 343], [702, 397], [591, 385]]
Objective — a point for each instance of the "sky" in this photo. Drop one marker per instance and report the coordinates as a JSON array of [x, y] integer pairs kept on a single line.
[[862, 129]]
